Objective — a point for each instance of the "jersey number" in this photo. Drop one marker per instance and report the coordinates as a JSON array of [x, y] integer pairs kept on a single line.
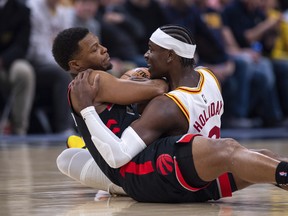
[[214, 133], [111, 124]]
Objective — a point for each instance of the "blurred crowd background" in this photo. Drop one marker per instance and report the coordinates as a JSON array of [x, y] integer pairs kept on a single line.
[[244, 42]]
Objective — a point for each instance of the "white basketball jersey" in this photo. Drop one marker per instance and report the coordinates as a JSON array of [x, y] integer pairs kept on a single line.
[[202, 105]]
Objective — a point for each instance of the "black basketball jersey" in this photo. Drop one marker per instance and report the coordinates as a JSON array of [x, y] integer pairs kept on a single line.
[[117, 118]]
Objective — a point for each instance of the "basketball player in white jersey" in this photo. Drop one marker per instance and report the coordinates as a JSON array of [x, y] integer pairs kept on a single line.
[[202, 105]]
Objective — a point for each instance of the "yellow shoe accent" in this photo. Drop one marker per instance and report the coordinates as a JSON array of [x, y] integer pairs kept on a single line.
[[74, 141]]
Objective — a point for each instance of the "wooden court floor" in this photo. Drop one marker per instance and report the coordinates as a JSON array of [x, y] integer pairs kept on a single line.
[[30, 184]]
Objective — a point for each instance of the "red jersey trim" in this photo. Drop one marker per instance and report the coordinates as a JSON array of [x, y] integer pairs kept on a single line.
[[187, 138], [224, 185], [137, 169], [182, 181], [109, 106]]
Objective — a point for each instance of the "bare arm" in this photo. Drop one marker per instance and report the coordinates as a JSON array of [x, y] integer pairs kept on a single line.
[[231, 44], [161, 117], [233, 47], [257, 32], [119, 91]]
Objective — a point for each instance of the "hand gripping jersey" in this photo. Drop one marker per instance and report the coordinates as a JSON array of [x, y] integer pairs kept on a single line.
[[203, 105]]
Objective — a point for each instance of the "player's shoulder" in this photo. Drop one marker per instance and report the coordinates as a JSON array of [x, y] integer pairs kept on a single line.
[[163, 104], [94, 72], [102, 74], [162, 111], [208, 74], [203, 69]]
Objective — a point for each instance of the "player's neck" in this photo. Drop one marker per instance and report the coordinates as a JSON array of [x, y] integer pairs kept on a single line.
[[187, 78]]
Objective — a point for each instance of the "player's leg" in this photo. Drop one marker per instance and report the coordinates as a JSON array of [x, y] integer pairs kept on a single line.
[[22, 78], [79, 165], [271, 154], [215, 157]]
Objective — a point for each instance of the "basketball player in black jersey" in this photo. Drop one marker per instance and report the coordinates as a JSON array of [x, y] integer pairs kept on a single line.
[[76, 50], [155, 176]]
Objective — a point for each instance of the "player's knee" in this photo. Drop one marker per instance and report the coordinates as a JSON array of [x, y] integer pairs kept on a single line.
[[71, 162], [230, 147], [66, 159], [63, 161], [22, 71]]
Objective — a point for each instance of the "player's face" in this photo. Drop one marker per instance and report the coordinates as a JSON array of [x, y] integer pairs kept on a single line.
[[92, 54], [156, 58]]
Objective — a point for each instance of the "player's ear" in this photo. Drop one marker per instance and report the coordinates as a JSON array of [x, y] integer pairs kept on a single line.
[[74, 66], [171, 56]]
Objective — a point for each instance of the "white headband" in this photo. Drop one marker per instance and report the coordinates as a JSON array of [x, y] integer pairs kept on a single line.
[[166, 41]]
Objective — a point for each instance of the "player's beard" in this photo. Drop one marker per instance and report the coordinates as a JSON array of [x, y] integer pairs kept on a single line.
[[102, 67], [110, 66]]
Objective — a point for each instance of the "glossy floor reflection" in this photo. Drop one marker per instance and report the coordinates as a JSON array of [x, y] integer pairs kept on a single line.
[[30, 184]]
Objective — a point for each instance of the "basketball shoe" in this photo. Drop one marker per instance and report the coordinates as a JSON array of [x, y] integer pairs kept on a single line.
[[74, 141]]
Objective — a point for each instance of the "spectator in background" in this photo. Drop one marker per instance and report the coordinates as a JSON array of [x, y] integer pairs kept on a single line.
[[67, 3], [17, 79], [118, 42], [184, 13], [114, 13], [283, 5], [279, 49], [233, 74], [49, 18], [83, 15], [240, 19], [276, 48], [150, 15], [212, 53]]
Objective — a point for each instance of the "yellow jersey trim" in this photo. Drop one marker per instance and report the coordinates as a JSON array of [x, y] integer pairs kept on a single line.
[[212, 74], [180, 105]]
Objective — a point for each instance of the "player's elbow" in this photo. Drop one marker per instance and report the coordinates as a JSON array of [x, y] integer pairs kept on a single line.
[[160, 86], [117, 161], [115, 156], [162, 90], [118, 164], [163, 87]]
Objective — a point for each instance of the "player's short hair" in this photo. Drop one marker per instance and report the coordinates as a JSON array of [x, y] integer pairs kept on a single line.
[[182, 34], [66, 45]]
